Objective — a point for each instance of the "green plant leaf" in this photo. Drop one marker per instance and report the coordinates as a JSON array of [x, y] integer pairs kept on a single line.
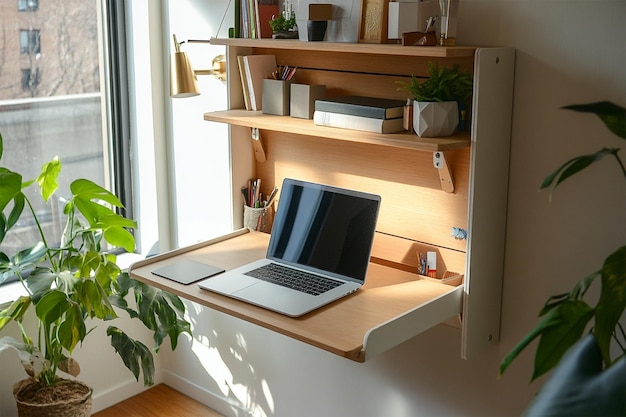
[[47, 180], [120, 237], [612, 115], [39, 282], [72, 329], [559, 328], [88, 190], [612, 300], [10, 186], [15, 311], [16, 212], [574, 166], [30, 256], [94, 300], [569, 320], [157, 314], [136, 356], [52, 306]]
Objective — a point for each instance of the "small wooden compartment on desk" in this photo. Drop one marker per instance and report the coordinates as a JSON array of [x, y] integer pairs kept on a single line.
[[393, 306]]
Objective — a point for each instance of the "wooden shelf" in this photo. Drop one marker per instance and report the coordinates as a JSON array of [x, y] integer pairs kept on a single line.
[[344, 47], [256, 119], [393, 305]]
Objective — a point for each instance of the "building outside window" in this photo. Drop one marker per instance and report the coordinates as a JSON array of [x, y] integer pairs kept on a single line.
[[54, 101]]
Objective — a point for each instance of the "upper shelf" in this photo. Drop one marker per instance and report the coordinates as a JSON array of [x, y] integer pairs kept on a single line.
[[307, 127], [365, 48]]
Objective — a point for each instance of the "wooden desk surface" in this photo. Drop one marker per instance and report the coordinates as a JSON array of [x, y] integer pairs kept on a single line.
[[339, 327]]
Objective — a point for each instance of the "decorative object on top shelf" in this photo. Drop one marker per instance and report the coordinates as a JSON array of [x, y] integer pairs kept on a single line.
[[565, 317], [439, 99], [447, 34], [373, 21], [319, 15], [183, 80], [284, 26], [70, 285]]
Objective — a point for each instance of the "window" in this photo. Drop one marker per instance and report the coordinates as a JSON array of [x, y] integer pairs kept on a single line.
[[67, 102], [27, 5], [30, 42], [30, 78]]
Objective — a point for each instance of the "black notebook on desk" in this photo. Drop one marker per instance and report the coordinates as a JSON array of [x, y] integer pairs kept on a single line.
[[319, 250]]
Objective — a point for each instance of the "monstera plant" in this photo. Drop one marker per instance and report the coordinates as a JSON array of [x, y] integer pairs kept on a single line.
[[72, 284], [566, 317]]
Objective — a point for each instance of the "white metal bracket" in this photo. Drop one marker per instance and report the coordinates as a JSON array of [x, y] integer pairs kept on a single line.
[[257, 144], [445, 175]]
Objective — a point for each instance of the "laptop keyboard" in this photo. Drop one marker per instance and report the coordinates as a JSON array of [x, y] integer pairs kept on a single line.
[[294, 279]]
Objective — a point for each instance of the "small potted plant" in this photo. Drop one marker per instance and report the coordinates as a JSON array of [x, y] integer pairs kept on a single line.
[[439, 99], [284, 27], [70, 285]]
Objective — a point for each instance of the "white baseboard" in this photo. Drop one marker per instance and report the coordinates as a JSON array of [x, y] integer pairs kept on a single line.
[[202, 395], [114, 395]]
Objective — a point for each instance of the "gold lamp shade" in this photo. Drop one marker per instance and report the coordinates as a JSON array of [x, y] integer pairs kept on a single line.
[[183, 81]]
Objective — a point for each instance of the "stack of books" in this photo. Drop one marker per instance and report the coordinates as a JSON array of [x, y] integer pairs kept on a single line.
[[371, 114]]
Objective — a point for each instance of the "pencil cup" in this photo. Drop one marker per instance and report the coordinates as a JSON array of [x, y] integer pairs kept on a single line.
[[276, 97], [303, 98], [259, 219]]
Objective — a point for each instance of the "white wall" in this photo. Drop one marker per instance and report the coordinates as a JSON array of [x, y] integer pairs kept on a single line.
[[567, 52]]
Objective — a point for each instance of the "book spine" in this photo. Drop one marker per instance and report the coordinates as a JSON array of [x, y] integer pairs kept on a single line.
[[348, 121], [352, 109]]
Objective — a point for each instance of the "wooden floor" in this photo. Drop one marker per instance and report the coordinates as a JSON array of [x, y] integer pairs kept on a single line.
[[158, 401]]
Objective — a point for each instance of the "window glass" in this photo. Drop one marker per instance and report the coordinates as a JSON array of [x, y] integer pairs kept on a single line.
[[53, 101], [27, 5]]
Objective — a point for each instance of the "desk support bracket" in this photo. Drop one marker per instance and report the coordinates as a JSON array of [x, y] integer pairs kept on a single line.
[[445, 175], [257, 144]]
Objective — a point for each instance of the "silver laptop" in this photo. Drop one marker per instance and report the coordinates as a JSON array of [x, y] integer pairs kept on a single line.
[[321, 234]]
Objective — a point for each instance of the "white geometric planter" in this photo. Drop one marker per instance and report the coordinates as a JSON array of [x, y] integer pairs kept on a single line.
[[434, 119]]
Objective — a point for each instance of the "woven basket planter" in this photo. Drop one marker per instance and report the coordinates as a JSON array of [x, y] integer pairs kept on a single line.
[[68, 398]]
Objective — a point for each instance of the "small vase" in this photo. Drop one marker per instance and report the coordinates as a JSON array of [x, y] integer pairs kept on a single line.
[[435, 119]]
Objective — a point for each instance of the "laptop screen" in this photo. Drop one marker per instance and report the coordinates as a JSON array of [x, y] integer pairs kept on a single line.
[[324, 228]]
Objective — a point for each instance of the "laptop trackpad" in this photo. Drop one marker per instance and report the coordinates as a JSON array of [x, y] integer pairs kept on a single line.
[[274, 297], [227, 284]]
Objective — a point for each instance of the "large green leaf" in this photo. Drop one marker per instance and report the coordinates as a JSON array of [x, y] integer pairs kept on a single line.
[[52, 306], [16, 212], [120, 237], [30, 256], [94, 300], [574, 166], [569, 320], [72, 329], [10, 186], [39, 282], [559, 328], [48, 179], [612, 300], [136, 356], [87, 190], [612, 115], [15, 311]]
